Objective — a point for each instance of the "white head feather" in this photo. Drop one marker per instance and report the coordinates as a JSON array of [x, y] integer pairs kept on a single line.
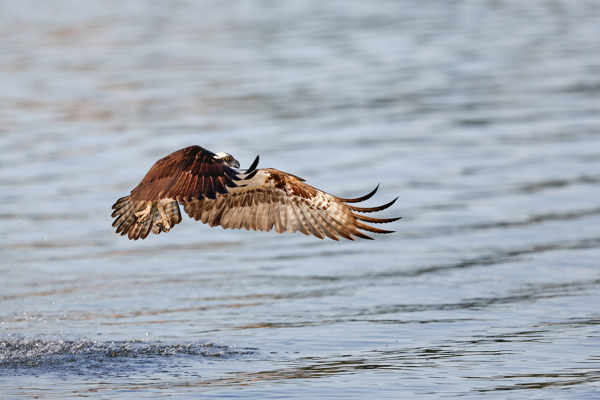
[[227, 159]]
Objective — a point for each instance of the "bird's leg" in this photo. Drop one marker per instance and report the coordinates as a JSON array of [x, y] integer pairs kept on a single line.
[[164, 222], [143, 215]]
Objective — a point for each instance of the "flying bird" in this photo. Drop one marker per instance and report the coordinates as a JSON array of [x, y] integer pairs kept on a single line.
[[213, 189]]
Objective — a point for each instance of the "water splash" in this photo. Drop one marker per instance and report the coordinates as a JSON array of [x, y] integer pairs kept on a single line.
[[78, 356]]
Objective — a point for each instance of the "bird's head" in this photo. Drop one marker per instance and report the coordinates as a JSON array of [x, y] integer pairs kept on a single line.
[[227, 159]]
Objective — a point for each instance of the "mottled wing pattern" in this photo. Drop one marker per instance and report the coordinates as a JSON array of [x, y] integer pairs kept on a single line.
[[275, 199], [186, 174]]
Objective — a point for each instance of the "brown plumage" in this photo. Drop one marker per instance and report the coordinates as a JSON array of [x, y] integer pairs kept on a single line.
[[214, 191]]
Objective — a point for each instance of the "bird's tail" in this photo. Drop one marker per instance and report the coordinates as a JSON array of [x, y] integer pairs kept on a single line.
[[137, 218]]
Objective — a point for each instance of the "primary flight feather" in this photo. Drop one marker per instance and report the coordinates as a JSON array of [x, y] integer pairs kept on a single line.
[[213, 190]]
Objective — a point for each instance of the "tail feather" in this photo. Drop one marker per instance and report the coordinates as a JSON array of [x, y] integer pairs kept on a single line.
[[128, 224], [172, 210]]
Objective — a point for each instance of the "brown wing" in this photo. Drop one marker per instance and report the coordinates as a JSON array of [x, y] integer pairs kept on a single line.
[[275, 199], [186, 174]]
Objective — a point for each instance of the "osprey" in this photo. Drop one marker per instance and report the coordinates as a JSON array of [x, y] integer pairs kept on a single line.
[[214, 190]]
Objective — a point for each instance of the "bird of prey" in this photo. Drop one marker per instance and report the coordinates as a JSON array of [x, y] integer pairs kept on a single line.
[[213, 189]]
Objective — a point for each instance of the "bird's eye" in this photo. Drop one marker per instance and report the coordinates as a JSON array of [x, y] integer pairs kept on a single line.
[[227, 158]]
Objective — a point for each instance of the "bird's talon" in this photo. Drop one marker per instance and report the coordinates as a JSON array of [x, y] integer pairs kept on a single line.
[[143, 215], [165, 226]]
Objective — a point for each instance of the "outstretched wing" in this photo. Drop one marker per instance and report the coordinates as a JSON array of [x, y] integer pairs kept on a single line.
[[275, 199], [190, 173]]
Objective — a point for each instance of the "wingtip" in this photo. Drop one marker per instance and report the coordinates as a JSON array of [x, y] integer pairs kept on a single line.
[[375, 220], [251, 175], [363, 198], [373, 209], [253, 166]]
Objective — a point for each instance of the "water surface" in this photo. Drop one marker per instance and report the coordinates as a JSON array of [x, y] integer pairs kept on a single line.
[[483, 118]]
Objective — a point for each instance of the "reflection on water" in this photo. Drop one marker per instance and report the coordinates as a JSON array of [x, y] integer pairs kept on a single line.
[[483, 117]]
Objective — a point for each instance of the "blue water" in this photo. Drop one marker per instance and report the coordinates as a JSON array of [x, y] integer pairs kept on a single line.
[[484, 118]]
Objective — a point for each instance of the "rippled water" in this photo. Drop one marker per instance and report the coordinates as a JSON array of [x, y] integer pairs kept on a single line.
[[484, 117]]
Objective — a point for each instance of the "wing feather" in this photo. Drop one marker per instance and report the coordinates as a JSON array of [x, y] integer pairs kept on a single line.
[[193, 208], [302, 225], [209, 187], [310, 221], [292, 223], [274, 199], [235, 219], [373, 209], [256, 213], [334, 222], [287, 219], [178, 186], [215, 213], [230, 209], [276, 221], [323, 225], [217, 219], [376, 220], [359, 199], [190, 173]]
